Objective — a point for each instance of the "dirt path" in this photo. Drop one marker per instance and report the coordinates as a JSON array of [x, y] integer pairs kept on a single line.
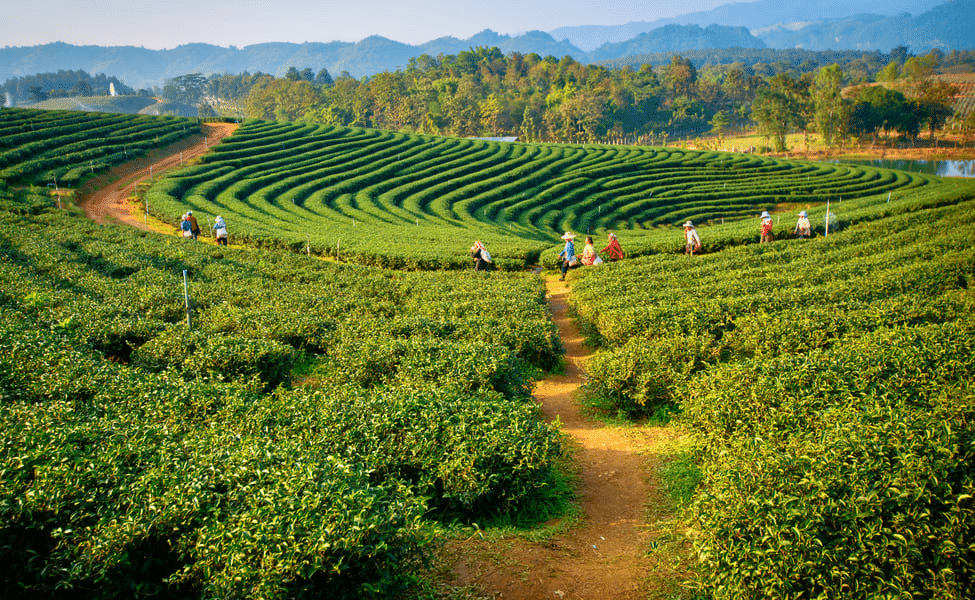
[[606, 556], [104, 198]]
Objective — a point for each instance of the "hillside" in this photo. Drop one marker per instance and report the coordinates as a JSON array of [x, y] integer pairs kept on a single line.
[[117, 104], [784, 25], [756, 14]]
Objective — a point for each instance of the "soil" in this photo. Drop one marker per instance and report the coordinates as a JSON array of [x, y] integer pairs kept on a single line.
[[606, 555], [106, 198]]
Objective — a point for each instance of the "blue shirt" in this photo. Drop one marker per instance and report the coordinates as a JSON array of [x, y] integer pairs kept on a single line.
[[569, 251]]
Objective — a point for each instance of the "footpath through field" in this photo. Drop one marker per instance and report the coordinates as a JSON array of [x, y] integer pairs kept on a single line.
[[604, 556], [105, 197]]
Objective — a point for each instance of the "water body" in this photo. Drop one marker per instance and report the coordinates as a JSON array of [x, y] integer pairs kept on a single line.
[[942, 168]]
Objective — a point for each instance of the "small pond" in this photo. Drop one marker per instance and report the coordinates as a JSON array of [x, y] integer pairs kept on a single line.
[[943, 168]]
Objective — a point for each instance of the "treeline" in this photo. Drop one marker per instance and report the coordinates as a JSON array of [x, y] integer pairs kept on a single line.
[[483, 92], [63, 84]]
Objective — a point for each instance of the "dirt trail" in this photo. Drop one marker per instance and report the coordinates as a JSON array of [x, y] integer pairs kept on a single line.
[[104, 198], [605, 557]]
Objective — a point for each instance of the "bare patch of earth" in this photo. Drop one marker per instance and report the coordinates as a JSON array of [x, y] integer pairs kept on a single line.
[[607, 554], [105, 198]]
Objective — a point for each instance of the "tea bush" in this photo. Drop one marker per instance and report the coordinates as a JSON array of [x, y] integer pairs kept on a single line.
[[145, 456], [827, 385]]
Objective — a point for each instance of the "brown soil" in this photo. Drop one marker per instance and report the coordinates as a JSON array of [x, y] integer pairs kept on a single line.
[[605, 555], [106, 198]]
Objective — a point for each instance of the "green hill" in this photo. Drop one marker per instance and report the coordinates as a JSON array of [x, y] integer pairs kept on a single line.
[[129, 105]]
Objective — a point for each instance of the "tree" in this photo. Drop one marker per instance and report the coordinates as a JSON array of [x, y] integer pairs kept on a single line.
[[776, 114], [36, 93], [491, 110], [82, 88], [877, 109], [188, 89], [679, 77], [889, 73], [777, 109], [934, 103], [719, 122], [324, 78], [829, 108], [283, 100]]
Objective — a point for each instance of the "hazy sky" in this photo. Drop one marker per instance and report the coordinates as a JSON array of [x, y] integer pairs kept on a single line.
[[160, 24]]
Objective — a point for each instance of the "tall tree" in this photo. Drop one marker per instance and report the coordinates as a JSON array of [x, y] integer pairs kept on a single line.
[[935, 98], [777, 110], [188, 89], [829, 108]]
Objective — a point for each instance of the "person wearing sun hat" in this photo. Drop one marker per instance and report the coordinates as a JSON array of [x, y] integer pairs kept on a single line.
[[767, 235], [568, 254], [803, 227], [692, 241]]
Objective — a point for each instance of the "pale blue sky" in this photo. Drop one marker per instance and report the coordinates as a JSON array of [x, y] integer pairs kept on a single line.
[[159, 24]]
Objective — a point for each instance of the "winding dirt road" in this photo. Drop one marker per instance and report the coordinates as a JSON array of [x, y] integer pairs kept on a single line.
[[105, 198]]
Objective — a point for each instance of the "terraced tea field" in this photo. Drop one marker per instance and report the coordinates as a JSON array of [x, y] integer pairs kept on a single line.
[[316, 420], [414, 201]]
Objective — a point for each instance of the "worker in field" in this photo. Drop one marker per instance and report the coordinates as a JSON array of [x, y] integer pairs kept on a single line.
[[767, 235], [692, 241], [185, 227], [589, 255], [568, 254], [613, 250], [481, 256], [220, 231], [803, 227], [194, 226]]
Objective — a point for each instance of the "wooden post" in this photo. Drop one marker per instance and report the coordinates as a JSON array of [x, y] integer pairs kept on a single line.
[[186, 298]]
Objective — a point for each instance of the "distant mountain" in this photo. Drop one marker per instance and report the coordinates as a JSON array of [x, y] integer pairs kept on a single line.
[[141, 68], [753, 15], [760, 24], [678, 38], [951, 25]]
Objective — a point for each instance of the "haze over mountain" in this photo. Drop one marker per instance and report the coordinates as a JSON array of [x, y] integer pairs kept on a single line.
[[753, 15], [759, 24]]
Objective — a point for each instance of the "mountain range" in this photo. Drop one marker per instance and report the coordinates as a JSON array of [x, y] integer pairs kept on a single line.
[[824, 25]]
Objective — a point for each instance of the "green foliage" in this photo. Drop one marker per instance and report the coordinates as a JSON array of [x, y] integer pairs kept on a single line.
[[418, 202], [146, 458], [827, 384], [63, 147]]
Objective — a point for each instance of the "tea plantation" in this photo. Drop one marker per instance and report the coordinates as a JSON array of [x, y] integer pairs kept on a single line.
[[828, 386], [183, 420]]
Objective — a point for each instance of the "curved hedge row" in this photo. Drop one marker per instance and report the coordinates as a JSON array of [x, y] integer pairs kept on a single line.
[[296, 440], [412, 201], [827, 383], [37, 147]]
